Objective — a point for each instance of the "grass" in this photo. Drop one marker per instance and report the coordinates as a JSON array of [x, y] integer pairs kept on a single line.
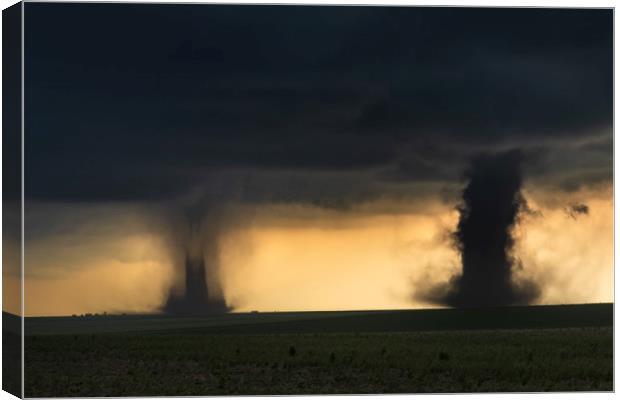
[[11, 354], [187, 364], [565, 348], [11, 363]]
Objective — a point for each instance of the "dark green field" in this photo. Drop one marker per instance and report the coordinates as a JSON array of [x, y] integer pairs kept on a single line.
[[11, 354], [539, 348]]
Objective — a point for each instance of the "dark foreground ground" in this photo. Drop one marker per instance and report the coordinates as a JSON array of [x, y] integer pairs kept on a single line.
[[11, 354], [543, 348]]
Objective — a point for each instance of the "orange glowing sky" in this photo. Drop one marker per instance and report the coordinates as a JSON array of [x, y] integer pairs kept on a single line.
[[293, 257]]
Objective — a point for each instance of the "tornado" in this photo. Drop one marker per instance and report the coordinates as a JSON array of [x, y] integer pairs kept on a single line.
[[195, 299], [489, 209], [196, 241]]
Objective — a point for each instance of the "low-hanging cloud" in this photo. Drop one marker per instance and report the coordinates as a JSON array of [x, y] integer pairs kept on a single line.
[[369, 92]]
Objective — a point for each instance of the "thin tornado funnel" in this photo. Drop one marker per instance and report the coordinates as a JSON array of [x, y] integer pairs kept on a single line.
[[197, 242], [195, 300]]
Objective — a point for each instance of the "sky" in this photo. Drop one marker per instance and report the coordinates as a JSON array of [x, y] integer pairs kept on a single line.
[[315, 156]]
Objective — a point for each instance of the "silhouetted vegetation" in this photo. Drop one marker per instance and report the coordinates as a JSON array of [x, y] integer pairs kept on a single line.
[[249, 354], [195, 364]]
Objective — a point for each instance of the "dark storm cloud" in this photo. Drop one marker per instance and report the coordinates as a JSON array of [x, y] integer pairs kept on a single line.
[[146, 102]]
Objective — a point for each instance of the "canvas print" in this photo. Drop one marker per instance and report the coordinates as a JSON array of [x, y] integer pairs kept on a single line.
[[285, 199]]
